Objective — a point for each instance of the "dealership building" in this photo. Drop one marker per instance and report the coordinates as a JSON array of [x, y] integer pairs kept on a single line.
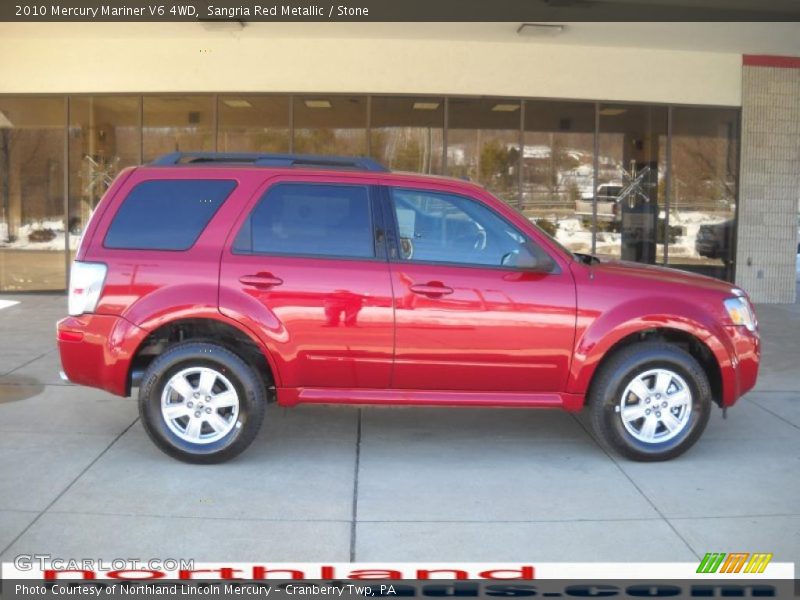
[[674, 144]]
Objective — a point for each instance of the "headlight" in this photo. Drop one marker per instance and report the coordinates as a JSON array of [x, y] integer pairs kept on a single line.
[[740, 312]]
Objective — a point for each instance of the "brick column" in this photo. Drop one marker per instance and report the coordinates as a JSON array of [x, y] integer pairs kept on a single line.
[[769, 178]]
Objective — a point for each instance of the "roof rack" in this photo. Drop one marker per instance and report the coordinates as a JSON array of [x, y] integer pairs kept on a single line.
[[270, 160]]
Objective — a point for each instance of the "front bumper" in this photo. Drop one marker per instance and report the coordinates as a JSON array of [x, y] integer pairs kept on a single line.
[[96, 351], [742, 372]]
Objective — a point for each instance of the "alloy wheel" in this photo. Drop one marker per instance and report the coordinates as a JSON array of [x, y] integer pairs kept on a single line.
[[200, 405]]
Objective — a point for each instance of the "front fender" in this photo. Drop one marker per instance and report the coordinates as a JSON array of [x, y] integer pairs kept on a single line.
[[597, 334]]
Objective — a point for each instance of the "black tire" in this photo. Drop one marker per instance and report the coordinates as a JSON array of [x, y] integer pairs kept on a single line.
[[249, 387], [622, 368]]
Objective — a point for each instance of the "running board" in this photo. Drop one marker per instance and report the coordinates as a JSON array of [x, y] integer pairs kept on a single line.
[[293, 396]]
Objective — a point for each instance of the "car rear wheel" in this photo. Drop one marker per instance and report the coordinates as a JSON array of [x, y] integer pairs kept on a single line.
[[201, 403], [651, 401]]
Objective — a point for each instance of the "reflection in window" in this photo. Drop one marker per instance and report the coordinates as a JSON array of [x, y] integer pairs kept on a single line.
[[103, 139], [407, 133], [703, 202], [308, 219], [454, 229], [32, 228], [177, 123], [483, 144], [558, 170], [166, 214], [630, 195], [249, 123], [332, 125]]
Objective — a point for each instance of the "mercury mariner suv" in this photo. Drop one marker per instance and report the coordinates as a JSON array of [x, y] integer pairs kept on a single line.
[[215, 283]]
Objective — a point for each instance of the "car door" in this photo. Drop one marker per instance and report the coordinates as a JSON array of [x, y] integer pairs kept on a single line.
[[307, 270], [478, 305]]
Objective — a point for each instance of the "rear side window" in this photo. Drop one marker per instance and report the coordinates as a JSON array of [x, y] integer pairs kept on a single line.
[[310, 220], [167, 214]]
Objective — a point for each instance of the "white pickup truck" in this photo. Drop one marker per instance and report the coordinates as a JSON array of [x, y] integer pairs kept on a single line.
[[607, 203]]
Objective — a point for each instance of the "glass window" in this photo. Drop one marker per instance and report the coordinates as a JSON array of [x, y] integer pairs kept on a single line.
[[630, 195], [558, 170], [310, 220], [483, 143], [104, 137], [32, 219], [446, 228], [406, 133], [250, 123], [703, 191], [330, 125], [177, 124], [166, 214]]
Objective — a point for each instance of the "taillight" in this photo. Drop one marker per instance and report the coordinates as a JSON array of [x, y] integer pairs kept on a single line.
[[85, 286]]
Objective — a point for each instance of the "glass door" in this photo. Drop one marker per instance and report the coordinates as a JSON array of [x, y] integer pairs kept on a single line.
[[631, 182]]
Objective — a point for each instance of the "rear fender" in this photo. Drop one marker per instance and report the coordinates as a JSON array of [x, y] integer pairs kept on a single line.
[[193, 301]]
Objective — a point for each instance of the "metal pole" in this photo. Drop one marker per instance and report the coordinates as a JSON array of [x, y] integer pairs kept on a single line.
[[446, 125], [595, 178], [67, 260], [215, 122], [521, 163], [369, 125], [291, 123], [667, 187]]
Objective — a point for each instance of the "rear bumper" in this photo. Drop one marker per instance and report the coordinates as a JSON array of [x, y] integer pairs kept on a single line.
[[96, 351]]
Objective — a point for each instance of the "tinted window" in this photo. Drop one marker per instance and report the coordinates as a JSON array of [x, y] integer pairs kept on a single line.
[[310, 219], [166, 214], [454, 229]]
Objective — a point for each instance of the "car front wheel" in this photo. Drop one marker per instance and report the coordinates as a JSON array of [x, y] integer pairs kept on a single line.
[[201, 403], [651, 401]]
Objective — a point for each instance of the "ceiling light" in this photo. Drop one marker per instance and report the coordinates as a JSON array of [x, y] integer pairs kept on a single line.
[[540, 29], [426, 105], [317, 103], [612, 112], [234, 103], [505, 107]]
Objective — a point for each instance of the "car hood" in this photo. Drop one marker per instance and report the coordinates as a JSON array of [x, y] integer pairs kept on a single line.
[[647, 273]]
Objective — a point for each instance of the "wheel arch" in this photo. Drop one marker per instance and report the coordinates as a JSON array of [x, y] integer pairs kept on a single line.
[[211, 327], [701, 344], [696, 347]]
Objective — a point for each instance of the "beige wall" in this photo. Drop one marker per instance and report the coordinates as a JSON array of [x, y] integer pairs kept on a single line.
[[55, 58]]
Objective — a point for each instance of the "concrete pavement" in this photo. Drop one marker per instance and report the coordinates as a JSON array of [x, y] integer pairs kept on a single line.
[[79, 477]]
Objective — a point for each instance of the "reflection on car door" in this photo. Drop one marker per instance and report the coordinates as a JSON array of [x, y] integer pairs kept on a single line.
[[466, 319], [307, 263]]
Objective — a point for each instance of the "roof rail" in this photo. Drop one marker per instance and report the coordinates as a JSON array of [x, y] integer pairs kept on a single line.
[[270, 160]]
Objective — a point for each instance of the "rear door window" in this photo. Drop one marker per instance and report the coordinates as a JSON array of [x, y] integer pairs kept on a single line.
[[301, 219], [167, 214]]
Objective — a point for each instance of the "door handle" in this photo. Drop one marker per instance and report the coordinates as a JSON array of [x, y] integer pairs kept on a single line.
[[260, 280], [434, 289]]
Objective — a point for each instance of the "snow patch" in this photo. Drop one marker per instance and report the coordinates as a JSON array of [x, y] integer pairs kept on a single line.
[[7, 303]]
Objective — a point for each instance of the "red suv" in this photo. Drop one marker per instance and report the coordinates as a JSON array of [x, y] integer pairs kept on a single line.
[[217, 283]]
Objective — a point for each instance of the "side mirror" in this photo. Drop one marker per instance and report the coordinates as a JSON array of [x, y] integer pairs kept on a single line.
[[531, 258]]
